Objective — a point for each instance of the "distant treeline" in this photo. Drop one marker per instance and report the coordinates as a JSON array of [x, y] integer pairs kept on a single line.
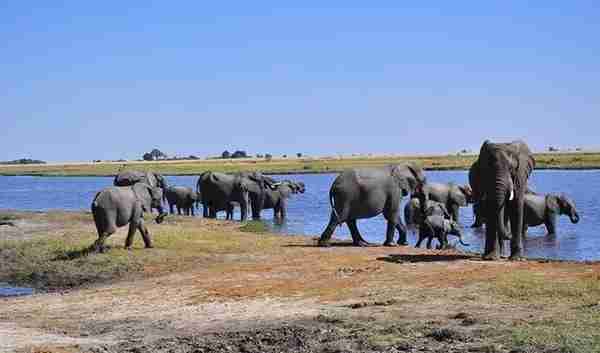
[[23, 161]]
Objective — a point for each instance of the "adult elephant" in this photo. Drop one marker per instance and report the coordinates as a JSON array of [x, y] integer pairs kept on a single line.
[[184, 198], [499, 178], [219, 190], [451, 195], [368, 192], [117, 206]]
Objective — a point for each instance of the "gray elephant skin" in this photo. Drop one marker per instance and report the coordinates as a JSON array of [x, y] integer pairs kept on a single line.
[[453, 196], [117, 206], [436, 226], [499, 178], [219, 190], [183, 198], [276, 197], [544, 209], [130, 177], [413, 213], [368, 192]]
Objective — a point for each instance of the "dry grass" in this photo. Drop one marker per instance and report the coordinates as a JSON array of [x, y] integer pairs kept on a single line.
[[291, 165]]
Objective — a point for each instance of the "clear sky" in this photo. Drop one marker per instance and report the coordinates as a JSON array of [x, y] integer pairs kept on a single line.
[[83, 80]]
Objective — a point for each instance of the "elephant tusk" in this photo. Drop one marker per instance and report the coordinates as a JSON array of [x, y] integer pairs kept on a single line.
[[512, 195]]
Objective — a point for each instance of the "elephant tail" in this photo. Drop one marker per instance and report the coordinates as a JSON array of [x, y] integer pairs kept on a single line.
[[95, 202]]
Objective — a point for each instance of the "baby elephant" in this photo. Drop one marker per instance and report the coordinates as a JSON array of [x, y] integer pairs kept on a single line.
[[413, 215], [118, 206], [544, 209], [437, 226]]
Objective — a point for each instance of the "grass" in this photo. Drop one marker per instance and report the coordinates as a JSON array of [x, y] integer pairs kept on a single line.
[[571, 319], [289, 165], [58, 262], [254, 227]]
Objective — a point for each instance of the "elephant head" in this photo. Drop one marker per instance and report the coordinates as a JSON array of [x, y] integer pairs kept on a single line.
[[151, 198], [409, 177], [460, 195], [562, 204], [500, 178]]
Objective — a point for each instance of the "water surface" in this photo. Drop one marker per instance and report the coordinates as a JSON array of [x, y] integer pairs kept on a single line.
[[308, 214]]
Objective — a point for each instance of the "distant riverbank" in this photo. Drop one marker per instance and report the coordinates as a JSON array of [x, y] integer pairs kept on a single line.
[[574, 161]]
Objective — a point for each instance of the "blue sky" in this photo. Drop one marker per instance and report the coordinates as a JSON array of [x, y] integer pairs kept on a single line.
[[113, 79]]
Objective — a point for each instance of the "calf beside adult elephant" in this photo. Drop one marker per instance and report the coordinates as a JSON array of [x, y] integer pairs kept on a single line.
[[117, 206], [275, 198], [499, 180], [183, 198], [368, 192], [542, 209], [414, 215], [453, 196]]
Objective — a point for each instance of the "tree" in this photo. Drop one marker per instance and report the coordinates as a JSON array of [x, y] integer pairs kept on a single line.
[[268, 156], [147, 157], [239, 154], [225, 155], [299, 155]]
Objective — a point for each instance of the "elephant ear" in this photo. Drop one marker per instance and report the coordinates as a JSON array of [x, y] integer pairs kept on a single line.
[[552, 203], [417, 173], [406, 182], [458, 196], [143, 193], [525, 163]]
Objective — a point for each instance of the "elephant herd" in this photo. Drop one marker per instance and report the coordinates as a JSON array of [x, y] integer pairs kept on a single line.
[[498, 190], [135, 193]]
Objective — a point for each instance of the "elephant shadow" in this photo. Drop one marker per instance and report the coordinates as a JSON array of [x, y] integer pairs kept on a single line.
[[79, 253], [333, 244], [416, 258]]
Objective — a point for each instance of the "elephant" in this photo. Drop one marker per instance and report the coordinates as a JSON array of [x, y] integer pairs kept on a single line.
[[368, 192], [117, 206], [413, 214], [184, 198], [218, 190], [543, 209], [436, 226], [451, 195], [499, 179], [275, 198], [130, 177]]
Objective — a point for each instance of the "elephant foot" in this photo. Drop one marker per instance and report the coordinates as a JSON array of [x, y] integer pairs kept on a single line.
[[490, 257], [402, 243], [388, 243], [129, 248], [516, 257], [149, 246], [475, 225], [361, 243], [324, 243]]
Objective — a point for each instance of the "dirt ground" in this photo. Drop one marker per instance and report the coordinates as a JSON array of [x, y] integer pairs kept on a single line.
[[294, 298]]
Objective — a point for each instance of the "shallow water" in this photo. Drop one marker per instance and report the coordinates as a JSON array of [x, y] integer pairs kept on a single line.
[[7, 291], [308, 213]]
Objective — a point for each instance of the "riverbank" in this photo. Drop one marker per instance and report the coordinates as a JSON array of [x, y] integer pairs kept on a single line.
[[216, 286], [289, 165]]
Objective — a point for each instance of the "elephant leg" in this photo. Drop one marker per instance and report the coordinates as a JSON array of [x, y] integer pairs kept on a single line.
[[328, 232], [133, 225], [421, 238], [429, 241], [178, 211], [357, 239], [191, 210], [145, 235], [205, 209], [551, 225], [402, 231], [243, 211], [98, 245], [491, 240], [171, 211], [454, 212], [283, 209], [516, 222]]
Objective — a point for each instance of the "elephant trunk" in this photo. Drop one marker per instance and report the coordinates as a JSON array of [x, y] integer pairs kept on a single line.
[[574, 216], [499, 207]]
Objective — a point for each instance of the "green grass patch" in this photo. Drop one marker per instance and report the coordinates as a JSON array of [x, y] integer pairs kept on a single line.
[[526, 286], [7, 217], [254, 227], [64, 261]]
